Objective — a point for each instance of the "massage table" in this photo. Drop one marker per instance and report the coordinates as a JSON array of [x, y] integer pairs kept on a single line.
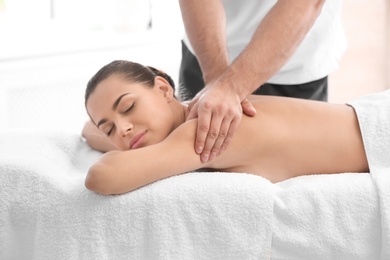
[[47, 213]]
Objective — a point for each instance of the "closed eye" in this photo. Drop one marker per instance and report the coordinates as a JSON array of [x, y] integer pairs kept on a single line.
[[129, 109], [110, 131]]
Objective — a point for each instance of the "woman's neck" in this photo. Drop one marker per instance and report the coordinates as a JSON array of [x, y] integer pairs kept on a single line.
[[180, 111]]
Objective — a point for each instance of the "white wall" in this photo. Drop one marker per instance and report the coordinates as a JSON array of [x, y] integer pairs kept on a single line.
[[43, 72], [365, 67]]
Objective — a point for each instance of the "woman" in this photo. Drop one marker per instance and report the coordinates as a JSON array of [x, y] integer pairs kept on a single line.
[[135, 107]]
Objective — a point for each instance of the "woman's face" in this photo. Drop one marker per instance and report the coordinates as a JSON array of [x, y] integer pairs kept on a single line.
[[132, 115]]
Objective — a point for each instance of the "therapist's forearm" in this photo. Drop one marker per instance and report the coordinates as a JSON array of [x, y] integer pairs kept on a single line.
[[273, 43], [204, 21]]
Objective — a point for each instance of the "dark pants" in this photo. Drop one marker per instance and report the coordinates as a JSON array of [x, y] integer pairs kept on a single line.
[[191, 82]]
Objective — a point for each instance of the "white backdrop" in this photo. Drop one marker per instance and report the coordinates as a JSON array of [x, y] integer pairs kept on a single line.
[[43, 72], [47, 93]]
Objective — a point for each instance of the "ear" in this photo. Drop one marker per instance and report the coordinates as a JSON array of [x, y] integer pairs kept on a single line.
[[162, 86]]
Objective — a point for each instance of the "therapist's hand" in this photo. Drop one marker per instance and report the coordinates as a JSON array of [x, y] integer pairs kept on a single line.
[[219, 113]]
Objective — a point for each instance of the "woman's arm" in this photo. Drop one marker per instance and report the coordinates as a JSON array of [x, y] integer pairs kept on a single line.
[[123, 171], [96, 139]]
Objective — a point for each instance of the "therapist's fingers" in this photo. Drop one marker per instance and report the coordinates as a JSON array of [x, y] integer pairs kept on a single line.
[[248, 108], [218, 113], [191, 105], [224, 137], [193, 112], [204, 118], [193, 108], [224, 122], [212, 137]]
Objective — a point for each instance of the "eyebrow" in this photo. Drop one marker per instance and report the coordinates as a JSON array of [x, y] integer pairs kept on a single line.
[[114, 107], [116, 103]]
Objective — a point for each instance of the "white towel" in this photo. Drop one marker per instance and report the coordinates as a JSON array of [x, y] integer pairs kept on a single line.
[[47, 213], [41, 194], [373, 112], [326, 217], [341, 216]]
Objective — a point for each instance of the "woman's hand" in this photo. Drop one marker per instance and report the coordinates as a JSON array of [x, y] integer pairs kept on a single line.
[[95, 138]]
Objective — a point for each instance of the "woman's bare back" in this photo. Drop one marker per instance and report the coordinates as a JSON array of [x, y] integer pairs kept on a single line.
[[291, 137]]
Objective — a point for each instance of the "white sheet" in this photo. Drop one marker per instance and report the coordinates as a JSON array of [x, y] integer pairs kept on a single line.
[[46, 212], [374, 119], [327, 217]]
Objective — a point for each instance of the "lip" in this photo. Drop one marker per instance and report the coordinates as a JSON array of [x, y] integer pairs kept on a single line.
[[137, 140]]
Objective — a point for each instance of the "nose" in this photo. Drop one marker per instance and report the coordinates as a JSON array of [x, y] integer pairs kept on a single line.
[[124, 128]]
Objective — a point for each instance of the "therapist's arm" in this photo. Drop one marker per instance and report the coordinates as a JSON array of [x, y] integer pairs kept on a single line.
[[205, 26], [204, 23], [273, 43]]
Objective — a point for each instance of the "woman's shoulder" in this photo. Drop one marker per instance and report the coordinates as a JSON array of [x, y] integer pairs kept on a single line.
[[185, 130]]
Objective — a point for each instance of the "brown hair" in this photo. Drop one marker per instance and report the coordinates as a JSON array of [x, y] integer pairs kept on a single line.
[[132, 71]]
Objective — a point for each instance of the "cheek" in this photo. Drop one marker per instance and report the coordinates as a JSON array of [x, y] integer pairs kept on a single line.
[[118, 143], [161, 120]]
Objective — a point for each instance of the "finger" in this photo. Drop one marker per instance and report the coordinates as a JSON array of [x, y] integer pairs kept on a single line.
[[194, 101], [192, 104], [203, 127], [193, 111], [232, 129], [213, 133], [248, 108], [223, 133]]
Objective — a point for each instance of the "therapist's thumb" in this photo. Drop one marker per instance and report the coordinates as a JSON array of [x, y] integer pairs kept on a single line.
[[248, 108], [193, 111]]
